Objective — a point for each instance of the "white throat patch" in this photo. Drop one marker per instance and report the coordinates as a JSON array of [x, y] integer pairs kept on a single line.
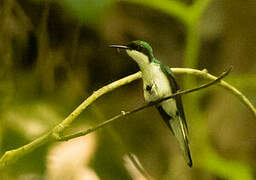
[[139, 57]]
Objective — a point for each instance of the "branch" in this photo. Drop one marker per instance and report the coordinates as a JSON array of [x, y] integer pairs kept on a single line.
[[205, 75], [12, 156], [126, 113]]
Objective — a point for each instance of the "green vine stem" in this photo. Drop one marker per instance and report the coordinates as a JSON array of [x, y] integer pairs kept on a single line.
[[126, 113], [12, 156], [203, 74]]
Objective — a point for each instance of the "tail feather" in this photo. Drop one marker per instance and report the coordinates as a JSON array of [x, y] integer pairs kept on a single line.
[[181, 134], [178, 127]]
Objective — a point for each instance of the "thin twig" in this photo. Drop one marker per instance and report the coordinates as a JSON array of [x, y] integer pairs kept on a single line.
[[126, 113], [205, 75], [12, 156]]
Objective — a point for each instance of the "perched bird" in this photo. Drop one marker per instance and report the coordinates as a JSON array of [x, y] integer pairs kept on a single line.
[[158, 83]]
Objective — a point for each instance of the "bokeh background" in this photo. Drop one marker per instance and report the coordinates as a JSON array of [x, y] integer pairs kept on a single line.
[[54, 54]]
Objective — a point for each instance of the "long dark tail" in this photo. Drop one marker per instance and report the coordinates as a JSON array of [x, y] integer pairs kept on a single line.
[[179, 131]]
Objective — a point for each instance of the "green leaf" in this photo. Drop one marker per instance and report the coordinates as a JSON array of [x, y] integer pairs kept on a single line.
[[86, 11]]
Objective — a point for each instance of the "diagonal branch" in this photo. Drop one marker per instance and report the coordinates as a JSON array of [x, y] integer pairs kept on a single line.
[[205, 75], [12, 156], [126, 113]]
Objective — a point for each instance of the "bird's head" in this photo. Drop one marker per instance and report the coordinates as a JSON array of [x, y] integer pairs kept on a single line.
[[139, 51]]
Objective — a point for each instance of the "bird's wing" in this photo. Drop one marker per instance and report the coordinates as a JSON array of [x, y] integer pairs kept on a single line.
[[177, 123], [175, 88]]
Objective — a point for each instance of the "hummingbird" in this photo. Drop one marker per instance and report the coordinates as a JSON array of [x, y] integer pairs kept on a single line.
[[158, 83]]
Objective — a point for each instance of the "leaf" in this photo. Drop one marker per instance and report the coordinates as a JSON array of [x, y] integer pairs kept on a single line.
[[86, 11]]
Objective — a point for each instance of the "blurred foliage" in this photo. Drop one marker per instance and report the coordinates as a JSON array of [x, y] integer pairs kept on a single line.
[[86, 11], [54, 54]]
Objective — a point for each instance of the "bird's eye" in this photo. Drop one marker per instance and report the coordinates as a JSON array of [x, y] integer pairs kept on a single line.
[[135, 46], [139, 48]]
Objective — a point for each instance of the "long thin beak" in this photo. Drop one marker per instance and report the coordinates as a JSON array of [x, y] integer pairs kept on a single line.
[[118, 46]]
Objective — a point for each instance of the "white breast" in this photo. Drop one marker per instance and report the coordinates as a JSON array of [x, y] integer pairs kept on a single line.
[[153, 76]]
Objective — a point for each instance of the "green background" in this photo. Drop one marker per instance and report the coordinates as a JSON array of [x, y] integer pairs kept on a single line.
[[54, 54]]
